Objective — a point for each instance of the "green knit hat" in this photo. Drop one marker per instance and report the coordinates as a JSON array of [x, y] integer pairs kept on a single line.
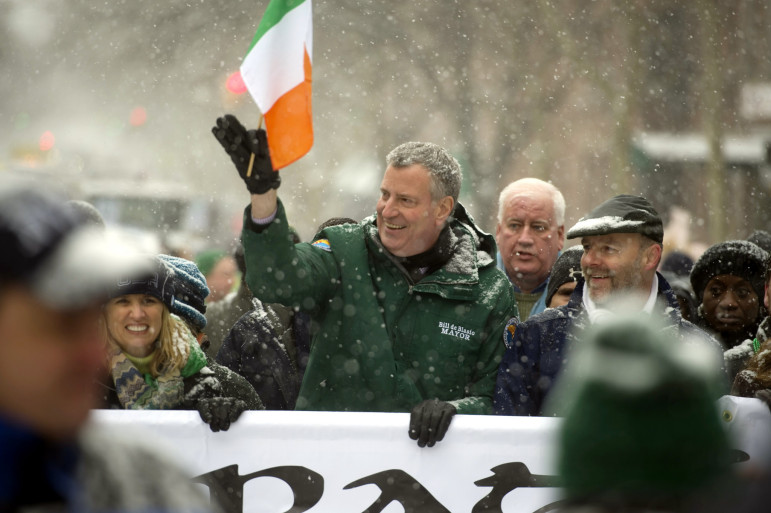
[[207, 259], [641, 424]]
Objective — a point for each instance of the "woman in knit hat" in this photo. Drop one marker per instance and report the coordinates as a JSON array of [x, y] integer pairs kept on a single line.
[[728, 281], [155, 361]]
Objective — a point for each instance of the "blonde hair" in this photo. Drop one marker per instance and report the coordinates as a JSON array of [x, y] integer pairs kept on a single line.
[[166, 358]]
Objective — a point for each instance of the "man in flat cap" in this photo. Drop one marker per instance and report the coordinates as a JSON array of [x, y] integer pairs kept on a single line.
[[622, 241]]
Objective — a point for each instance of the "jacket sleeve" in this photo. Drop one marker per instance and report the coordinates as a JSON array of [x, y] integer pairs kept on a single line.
[[252, 350], [515, 390], [279, 271], [236, 386], [229, 354], [215, 381], [479, 393]]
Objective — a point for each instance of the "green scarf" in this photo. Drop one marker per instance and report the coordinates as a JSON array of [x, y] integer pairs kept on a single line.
[[137, 391]]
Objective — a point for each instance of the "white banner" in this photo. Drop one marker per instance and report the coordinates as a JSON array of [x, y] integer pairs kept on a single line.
[[274, 462]]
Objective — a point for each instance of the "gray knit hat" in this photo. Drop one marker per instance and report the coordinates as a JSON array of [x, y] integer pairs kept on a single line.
[[49, 248], [87, 212], [621, 214]]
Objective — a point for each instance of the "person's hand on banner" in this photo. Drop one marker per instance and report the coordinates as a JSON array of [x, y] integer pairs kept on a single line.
[[248, 149], [430, 420], [220, 412]]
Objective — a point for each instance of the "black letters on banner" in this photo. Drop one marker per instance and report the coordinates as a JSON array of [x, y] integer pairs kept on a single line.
[[226, 487], [397, 485], [506, 478]]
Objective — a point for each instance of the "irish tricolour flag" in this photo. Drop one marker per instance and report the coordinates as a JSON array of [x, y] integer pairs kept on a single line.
[[277, 72]]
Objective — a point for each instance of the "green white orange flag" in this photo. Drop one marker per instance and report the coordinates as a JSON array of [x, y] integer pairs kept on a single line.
[[277, 73]]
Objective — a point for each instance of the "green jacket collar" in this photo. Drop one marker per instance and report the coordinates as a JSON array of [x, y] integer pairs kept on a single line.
[[474, 250]]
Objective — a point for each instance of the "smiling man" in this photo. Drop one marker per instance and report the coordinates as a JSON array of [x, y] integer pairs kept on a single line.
[[408, 305], [622, 240], [530, 234]]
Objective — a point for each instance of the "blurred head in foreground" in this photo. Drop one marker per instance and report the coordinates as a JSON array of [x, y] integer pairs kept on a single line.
[[55, 270], [641, 428]]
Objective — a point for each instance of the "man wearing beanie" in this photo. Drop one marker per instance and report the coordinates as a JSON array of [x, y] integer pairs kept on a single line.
[[622, 242]]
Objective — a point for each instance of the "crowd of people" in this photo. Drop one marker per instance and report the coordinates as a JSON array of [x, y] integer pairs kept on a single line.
[[414, 309]]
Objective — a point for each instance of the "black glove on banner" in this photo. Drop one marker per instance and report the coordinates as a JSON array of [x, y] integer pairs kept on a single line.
[[430, 420], [220, 412], [240, 144]]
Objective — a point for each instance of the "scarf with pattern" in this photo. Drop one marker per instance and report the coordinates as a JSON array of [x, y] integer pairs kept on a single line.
[[137, 391]]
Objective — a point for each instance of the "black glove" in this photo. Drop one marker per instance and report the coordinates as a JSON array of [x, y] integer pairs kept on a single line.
[[765, 396], [430, 420], [219, 412], [240, 144]]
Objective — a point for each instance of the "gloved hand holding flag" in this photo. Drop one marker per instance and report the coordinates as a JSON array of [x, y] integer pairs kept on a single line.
[[277, 73], [248, 149]]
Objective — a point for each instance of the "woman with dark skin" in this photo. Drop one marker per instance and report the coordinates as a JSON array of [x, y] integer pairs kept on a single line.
[[728, 280], [731, 308]]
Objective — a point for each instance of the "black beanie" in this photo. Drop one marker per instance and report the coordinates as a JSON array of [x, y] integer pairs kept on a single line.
[[158, 283], [567, 268], [677, 263], [735, 257], [762, 238], [621, 214]]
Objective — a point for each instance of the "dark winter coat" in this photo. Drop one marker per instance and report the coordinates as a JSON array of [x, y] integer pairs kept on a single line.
[[222, 315], [97, 472], [536, 348], [269, 347], [736, 355], [737, 358], [731, 341], [752, 369], [213, 380], [384, 342]]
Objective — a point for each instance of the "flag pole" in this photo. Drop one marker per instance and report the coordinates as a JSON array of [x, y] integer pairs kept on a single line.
[[251, 158]]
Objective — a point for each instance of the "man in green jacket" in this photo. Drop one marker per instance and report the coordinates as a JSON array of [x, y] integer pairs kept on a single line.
[[408, 305]]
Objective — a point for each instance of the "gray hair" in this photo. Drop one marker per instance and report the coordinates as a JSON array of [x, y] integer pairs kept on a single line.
[[558, 200], [442, 167]]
